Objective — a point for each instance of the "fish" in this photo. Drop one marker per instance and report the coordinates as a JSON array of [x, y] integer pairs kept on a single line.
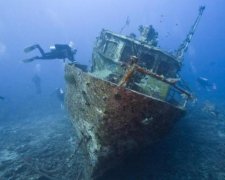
[[2, 98]]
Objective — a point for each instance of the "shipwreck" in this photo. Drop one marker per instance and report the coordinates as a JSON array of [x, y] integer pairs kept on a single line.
[[131, 97]]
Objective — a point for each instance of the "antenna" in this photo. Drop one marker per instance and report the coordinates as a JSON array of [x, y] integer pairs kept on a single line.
[[184, 46], [126, 24]]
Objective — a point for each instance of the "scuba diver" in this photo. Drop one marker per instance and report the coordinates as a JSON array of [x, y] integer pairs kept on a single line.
[[60, 94], [37, 82], [148, 35], [206, 84], [58, 51]]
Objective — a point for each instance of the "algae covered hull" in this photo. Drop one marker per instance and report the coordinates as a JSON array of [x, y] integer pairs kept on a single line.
[[113, 121], [131, 97]]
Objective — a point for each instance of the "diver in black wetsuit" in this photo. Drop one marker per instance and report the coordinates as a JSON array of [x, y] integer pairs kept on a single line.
[[58, 51], [37, 82]]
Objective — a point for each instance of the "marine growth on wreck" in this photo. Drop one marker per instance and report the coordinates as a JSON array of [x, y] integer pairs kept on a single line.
[[145, 68], [131, 97]]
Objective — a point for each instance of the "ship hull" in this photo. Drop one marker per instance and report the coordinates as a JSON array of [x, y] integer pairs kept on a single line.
[[113, 122]]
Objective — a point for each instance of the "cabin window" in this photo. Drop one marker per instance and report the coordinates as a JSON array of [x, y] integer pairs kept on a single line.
[[127, 52], [147, 61], [165, 69], [110, 49]]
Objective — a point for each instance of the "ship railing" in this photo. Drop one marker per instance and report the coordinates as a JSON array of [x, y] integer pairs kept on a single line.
[[176, 98], [175, 90]]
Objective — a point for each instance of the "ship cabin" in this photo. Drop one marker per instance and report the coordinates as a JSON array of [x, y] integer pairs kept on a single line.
[[111, 60]]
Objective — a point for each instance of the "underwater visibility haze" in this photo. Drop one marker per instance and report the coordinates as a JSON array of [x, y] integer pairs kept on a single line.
[[38, 140]]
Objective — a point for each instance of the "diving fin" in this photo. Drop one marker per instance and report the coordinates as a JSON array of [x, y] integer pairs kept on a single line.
[[28, 60], [30, 48]]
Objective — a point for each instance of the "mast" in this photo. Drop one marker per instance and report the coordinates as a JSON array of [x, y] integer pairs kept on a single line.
[[184, 46]]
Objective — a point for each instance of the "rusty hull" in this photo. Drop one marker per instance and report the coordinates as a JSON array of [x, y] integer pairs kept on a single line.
[[113, 121]]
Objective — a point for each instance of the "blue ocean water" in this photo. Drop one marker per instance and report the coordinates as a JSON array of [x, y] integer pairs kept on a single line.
[[35, 131]]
